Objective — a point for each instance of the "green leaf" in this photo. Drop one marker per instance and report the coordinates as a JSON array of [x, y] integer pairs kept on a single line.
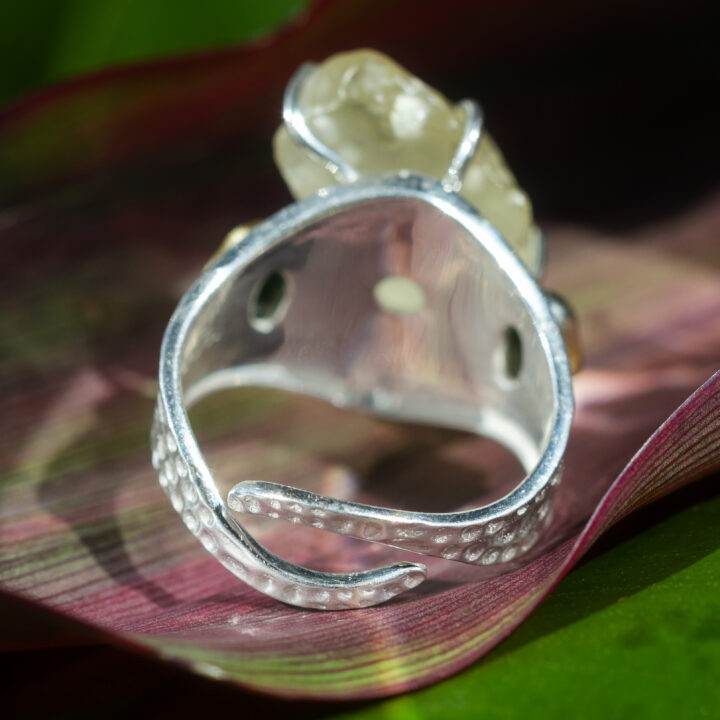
[[49, 40], [632, 633]]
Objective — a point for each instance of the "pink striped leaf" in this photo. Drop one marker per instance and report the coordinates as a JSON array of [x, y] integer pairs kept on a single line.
[[99, 245]]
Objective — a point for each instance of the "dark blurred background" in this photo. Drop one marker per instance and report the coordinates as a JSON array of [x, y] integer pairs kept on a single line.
[[608, 112]]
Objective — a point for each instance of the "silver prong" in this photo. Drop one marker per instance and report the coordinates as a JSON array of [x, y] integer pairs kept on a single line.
[[301, 133], [467, 147]]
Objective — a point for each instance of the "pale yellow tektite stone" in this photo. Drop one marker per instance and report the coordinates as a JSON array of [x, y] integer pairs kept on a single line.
[[381, 119]]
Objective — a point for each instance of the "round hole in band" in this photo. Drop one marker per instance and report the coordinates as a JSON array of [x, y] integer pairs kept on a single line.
[[269, 302], [399, 295], [511, 354]]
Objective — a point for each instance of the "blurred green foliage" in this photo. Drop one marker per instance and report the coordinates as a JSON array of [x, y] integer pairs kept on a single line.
[[633, 633], [43, 41]]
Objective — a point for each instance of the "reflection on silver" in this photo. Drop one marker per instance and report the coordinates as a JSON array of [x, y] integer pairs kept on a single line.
[[442, 365]]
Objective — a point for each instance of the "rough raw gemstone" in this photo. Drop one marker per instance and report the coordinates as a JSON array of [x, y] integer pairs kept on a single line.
[[381, 119]]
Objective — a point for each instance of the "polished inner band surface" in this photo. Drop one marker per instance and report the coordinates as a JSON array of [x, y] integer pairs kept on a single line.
[[479, 351]]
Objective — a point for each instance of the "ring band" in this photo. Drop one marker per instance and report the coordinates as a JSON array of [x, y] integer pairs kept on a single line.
[[389, 294]]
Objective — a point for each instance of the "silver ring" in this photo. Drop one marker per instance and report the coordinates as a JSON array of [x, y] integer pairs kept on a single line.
[[390, 293]]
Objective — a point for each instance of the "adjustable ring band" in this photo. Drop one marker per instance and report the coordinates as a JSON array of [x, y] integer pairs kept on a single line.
[[392, 295]]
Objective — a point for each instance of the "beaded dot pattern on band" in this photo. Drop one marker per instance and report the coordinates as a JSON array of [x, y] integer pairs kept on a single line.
[[180, 484], [500, 539]]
